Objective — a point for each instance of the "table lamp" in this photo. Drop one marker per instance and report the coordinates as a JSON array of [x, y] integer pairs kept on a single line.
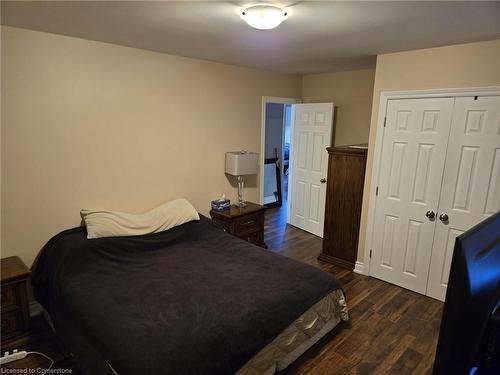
[[241, 163]]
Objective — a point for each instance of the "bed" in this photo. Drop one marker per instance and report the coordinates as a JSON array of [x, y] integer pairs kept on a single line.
[[189, 300]]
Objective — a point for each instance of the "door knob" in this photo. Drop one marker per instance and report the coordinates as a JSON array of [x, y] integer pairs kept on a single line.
[[443, 217], [323, 180], [430, 215]]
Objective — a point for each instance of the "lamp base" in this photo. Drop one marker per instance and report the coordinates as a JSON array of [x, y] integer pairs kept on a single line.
[[241, 202]]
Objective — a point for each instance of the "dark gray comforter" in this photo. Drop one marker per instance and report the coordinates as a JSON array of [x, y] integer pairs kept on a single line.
[[190, 300]]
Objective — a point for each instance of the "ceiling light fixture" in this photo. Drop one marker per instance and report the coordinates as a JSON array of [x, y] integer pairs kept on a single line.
[[263, 17]]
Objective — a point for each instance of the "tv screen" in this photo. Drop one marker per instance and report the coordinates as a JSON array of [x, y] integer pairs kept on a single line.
[[472, 296]]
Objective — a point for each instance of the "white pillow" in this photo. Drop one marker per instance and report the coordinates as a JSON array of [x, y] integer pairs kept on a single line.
[[113, 224]]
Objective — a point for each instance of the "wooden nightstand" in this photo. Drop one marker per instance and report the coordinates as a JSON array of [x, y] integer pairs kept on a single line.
[[246, 223], [15, 307]]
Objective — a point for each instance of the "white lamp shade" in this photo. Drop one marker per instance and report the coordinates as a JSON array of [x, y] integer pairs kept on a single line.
[[240, 163]]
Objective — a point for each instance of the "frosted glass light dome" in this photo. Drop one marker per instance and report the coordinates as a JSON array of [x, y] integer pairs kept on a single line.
[[263, 17]]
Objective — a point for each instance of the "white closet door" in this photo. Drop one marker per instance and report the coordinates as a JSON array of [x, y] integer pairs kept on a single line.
[[312, 134], [471, 182], [413, 157]]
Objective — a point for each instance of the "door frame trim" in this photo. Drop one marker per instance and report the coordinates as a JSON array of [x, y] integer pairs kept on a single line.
[[385, 96], [265, 100]]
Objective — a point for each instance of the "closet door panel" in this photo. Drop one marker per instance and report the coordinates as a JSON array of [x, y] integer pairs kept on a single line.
[[471, 183], [413, 157]]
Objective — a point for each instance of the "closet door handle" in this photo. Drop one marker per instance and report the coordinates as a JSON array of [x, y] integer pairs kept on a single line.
[[430, 215], [443, 217], [323, 180]]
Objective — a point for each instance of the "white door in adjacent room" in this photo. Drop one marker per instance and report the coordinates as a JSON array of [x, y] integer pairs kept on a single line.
[[412, 162], [471, 183], [312, 134]]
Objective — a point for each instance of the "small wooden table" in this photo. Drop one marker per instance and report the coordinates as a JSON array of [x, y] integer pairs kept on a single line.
[[246, 223], [15, 306]]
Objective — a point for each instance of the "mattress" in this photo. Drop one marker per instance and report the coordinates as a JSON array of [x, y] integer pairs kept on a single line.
[[299, 336]]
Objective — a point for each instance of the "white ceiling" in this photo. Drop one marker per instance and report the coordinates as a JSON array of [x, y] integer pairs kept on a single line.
[[316, 37]]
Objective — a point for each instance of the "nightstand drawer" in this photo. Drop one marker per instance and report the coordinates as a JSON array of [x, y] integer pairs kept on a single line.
[[12, 323], [15, 308], [255, 237], [224, 225], [248, 223], [245, 222], [9, 297]]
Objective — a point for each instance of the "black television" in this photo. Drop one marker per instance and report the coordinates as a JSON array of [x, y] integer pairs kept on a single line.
[[469, 337]]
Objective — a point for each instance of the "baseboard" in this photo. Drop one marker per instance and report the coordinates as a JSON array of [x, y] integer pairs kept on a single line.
[[35, 309], [359, 267], [336, 261]]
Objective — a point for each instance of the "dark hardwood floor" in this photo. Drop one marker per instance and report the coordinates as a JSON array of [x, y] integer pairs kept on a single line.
[[391, 330]]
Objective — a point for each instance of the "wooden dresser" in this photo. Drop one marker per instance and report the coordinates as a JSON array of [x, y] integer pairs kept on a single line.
[[344, 196], [246, 223], [15, 307]]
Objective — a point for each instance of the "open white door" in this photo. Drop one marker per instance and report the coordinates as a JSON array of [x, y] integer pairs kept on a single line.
[[312, 134], [471, 183]]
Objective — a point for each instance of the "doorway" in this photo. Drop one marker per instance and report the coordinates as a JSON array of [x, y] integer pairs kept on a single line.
[[294, 160], [276, 153], [275, 150]]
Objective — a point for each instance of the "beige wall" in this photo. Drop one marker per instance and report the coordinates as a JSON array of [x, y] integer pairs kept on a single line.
[[89, 124], [465, 65], [352, 93]]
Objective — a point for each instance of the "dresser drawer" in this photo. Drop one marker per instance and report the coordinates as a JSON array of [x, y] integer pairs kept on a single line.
[[248, 223], [9, 297], [12, 323]]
